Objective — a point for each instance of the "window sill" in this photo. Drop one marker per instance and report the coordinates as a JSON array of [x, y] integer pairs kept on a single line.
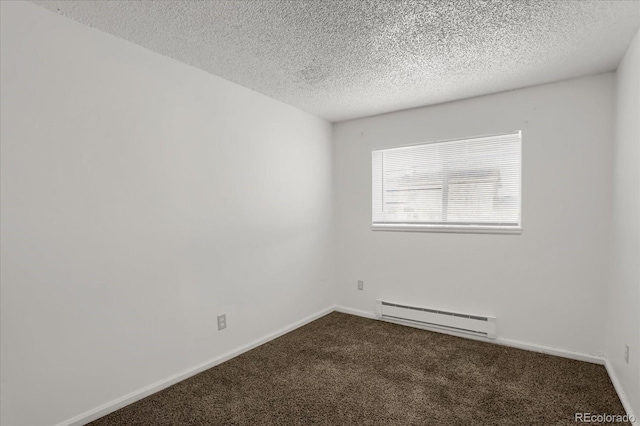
[[447, 229]]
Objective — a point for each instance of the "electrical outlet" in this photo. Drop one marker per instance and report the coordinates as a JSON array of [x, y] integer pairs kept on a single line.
[[222, 321], [626, 354], [360, 285]]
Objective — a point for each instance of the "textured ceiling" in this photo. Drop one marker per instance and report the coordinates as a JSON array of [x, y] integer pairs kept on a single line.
[[352, 58]]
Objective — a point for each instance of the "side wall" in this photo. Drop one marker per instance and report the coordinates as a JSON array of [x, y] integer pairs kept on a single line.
[[624, 287], [142, 197], [545, 286]]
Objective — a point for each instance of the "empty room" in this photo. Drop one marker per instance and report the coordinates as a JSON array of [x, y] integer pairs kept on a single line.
[[320, 212]]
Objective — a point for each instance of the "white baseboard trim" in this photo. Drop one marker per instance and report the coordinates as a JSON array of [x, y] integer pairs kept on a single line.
[[550, 350], [580, 356], [356, 312], [618, 387], [139, 394]]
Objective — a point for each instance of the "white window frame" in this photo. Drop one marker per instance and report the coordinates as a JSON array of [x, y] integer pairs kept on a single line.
[[453, 228]]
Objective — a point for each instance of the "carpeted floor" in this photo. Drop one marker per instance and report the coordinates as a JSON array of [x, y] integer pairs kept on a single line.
[[346, 370]]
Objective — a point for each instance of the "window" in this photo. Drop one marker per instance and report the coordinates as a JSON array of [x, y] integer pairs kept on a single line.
[[467, 185]]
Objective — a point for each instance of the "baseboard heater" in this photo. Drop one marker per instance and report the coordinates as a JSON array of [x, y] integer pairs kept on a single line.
[[437, 319]]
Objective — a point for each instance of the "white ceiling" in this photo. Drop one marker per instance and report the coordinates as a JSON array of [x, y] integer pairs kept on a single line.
[[344, 59]]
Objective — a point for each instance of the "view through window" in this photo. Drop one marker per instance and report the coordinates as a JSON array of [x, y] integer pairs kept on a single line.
[[459, 185]]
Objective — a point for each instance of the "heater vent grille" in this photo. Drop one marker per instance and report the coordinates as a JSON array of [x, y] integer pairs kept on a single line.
[[437, 319]]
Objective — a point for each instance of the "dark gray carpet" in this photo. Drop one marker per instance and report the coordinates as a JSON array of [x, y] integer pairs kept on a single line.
[[347, 370]]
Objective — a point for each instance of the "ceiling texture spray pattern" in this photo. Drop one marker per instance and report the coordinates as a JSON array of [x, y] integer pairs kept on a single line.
[[343, 59]]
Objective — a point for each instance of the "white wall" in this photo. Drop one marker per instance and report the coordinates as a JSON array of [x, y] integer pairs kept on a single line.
[[624, 287], [545, 286], [141, 197]]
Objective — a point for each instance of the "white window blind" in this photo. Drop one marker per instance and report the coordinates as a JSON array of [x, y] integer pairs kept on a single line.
[[460, 185]]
